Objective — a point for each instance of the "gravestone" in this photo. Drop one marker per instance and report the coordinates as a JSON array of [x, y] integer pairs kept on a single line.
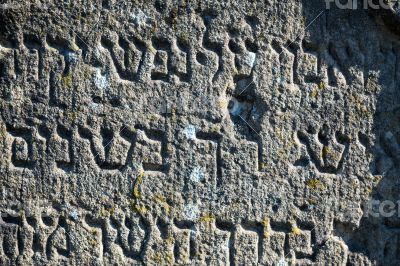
[[199, 133]]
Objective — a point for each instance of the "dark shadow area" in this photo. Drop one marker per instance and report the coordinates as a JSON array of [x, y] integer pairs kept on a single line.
[[364, 45]]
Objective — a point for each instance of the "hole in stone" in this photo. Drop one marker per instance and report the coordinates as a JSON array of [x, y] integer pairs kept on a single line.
[[96, 99]]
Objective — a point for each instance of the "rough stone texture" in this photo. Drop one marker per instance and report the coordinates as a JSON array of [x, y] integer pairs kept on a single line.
[[198, 133]]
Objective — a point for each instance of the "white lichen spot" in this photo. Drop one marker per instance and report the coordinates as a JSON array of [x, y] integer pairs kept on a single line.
[[101, 81], [281, 80], [74, 215], [190, 132], [71, 57], [235, 108], [97, 52], [282, 262], [191, 212], [94, 106], [197, 174], [139, 17], [238, 108], [251, 59]]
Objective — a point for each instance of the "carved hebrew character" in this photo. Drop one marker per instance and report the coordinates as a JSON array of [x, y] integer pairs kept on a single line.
[[247, 241], [58, 242], [326, 149], [245, 56], [273, 243], [215, 241], [22, 151], [60, 59], [161, 242], [128, 235], [127, 57], [184, 242], [97, 236], [273, 246], [287, 59], [44, 225], [180, 61], [7, 60], [334, 251], [162, 59], [212, 52], [23, 236], [149, 150], [34, 57], [348, 58], [10, 233], [300, 242], [60, 147], [205, 167], [109, 147], [308, 66]]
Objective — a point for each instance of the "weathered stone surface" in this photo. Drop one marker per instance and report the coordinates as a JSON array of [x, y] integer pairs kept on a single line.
[[198, 133]]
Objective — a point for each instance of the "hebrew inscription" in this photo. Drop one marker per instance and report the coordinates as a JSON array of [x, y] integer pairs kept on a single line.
[[199, 133]]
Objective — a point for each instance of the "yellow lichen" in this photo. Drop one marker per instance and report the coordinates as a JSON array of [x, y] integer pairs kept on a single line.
[[107, 212], [266, 225], [173, 114], [163, 202], [222, 103], [72, 116], [314, 94], [296, 230], [170, 241], [170, 150], [153, 117], [314, 184], [136, 205], [207, 218], [67, 80], [265, 222], [136, 188], [157, 258], [230, 87], [104, 212], [92, 242], [139, 208], [325, 151], [215, 128], [169, 259], [94, 232], [151, 48], [321, 85], [360, 105], [184, 37]]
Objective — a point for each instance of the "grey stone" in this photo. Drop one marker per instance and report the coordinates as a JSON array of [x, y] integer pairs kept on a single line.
[[199, 133]]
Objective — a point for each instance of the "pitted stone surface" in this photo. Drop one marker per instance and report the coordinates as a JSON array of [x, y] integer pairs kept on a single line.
[[198, 133]]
